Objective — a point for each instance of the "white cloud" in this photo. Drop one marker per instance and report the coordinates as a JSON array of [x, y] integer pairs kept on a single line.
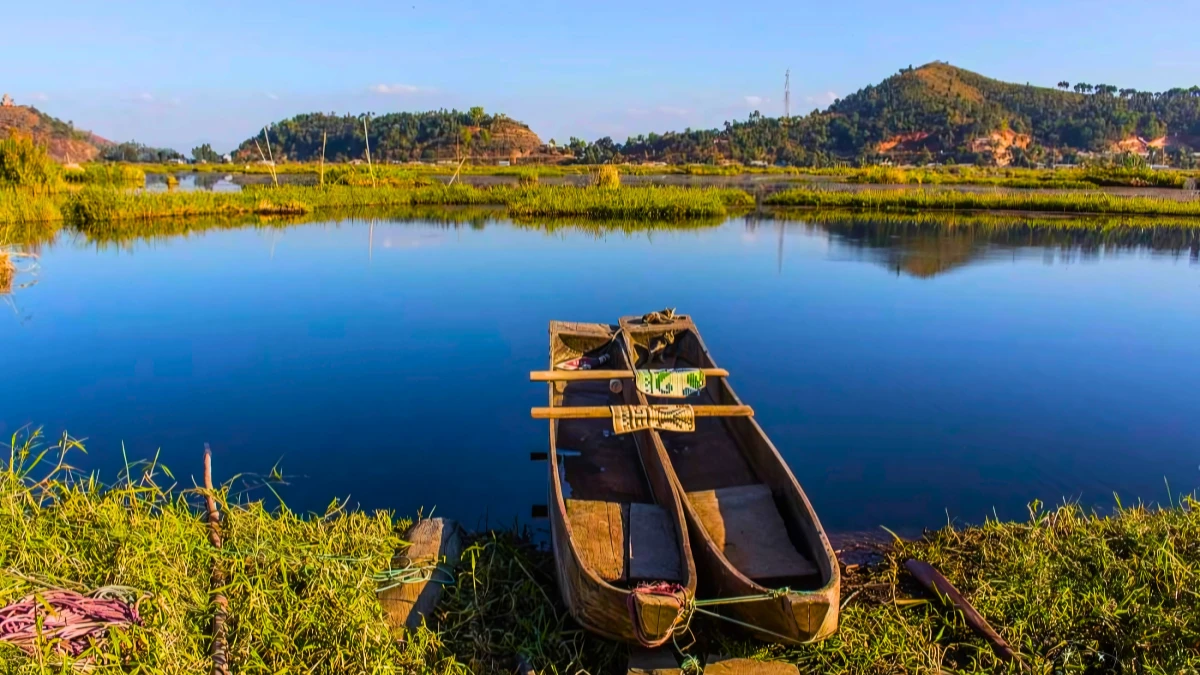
[[39, 96], [754, 101], [823, 99], [145, 97], [395, 89], [672, 110], [273, 97]]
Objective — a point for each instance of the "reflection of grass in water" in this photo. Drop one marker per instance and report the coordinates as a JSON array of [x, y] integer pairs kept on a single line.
[[918, 200], [599, 228], [925, 244], [8, 271]]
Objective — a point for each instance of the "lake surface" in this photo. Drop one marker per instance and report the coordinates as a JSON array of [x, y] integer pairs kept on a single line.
[[907, 374]]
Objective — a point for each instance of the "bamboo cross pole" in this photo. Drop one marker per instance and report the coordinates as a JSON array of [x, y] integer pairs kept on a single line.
[[367, 140], [271, 156], [586, 375], [604, 412]]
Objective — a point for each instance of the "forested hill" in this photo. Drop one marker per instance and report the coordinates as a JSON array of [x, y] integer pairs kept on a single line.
[[428, 136], [942, 113]]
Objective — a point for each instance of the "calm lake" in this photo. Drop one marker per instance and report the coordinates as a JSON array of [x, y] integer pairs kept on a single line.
[[907, 374]]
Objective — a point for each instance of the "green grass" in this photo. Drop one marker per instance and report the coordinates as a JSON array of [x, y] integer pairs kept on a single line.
[[1074, 592], [110, 175], [28, 166], [926, 200], [652, 203]]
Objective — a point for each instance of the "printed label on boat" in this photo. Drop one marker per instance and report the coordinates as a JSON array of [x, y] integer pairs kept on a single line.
[[627, 418], [675, 383]]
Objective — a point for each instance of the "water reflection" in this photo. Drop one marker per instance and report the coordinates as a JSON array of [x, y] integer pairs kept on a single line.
[[928, 245]]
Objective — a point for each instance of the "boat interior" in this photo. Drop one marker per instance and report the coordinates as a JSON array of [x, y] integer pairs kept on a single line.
[[610, 499], [732, 477]]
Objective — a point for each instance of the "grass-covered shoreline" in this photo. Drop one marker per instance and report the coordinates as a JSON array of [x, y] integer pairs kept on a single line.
[[950, 200], [1072, 591]]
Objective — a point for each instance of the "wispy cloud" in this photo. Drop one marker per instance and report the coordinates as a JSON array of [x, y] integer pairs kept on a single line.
[[395, 88], [754, 101], [144, 96], [39, 96], [822, 99], [673, 111], [273, 97]]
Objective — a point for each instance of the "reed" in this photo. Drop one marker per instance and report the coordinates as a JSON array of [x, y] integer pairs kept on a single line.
[[110, 175], [917, 200], [651, 203], [27, 165], [607, 176], [26, 207]]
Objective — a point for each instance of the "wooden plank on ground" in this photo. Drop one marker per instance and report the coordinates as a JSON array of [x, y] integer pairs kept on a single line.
[[721, 665], [599, 530], [434, 541], [745, 524], [653, 549], [660, 661]]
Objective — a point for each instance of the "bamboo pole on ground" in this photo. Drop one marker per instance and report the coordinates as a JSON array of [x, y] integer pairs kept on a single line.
[[219, 650], [933, 580]]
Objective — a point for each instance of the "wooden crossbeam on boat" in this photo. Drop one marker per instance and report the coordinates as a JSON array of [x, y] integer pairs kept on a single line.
[[585, 375], [604, 412]]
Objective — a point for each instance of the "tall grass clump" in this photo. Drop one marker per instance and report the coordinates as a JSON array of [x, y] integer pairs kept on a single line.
[[25, 207], [652, 203], [607, 176], [916, 200], [26, 165], [109, 175]]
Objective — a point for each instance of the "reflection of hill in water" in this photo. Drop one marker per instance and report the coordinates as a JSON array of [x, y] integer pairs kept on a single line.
[[928, 245]]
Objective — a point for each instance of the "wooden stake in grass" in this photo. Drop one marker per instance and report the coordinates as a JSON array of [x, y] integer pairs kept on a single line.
[[220, 658], [367, 139], [324, 136], [270, 156]]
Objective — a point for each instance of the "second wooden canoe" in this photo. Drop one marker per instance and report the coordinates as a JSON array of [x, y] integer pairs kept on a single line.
[[753, 530]]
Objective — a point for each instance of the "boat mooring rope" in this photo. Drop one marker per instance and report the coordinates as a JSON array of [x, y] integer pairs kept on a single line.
[[412, 574]]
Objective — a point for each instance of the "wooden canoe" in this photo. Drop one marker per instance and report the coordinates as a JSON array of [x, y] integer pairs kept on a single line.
[[616, 522], [753, 530]]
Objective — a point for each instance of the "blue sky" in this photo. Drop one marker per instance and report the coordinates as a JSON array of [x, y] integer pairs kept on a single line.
[[181, 73]]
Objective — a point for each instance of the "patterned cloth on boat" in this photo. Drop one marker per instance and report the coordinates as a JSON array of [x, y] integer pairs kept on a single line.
[[677, 383], [627, 418]]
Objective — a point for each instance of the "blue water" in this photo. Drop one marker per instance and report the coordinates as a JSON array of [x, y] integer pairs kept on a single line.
[[907, 378]]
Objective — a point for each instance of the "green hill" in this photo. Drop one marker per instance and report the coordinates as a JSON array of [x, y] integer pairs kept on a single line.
[[429, 136], [942, 113]]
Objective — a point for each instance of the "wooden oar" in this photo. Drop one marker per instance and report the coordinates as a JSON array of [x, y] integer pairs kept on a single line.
[[582, 375], [604, 412], [933, 580]]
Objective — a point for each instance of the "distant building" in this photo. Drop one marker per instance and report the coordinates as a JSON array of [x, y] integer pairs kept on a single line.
[[227, 158], [6, 102]]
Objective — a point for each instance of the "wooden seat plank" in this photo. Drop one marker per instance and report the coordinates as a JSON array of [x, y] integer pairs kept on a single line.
[[599, 531], [747, 528], [653, 550]]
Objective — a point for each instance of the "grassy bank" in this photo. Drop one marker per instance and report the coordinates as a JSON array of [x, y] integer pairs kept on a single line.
[[654, 203], [948, 200], [1090, 177], [1074, 592]]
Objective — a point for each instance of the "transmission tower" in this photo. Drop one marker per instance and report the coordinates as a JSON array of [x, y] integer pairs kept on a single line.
[[787, 96]]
